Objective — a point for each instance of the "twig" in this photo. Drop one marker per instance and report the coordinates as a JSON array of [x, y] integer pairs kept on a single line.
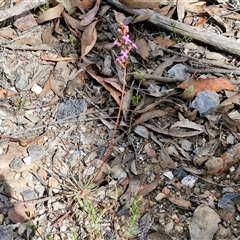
[[19, 8]]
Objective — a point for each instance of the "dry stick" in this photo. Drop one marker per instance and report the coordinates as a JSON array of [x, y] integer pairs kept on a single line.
[[116, 124], [19, 8], [202, 35]]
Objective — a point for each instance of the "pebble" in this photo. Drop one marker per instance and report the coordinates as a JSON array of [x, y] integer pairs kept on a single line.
[[28, 195], [159, 197], [16, 163], [166, 190], [27, 160], [6, 232], [39, 189], [21, 81], [36, 152], [168, 174], [189, 181], [36, 89], [52, 182]]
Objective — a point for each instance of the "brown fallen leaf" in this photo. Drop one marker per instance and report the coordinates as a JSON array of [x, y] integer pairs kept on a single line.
[[212, 84], [46, 58], [181, 202], [143, 48], [165, 160], [17, 214], [206, 151], [149, 115], [116, 94], [89, 17], [180, 134], [163, 42], [231, 120], [146, 15], [89, 38], [51, 13], [6, 93], [147, 188], [82, 4], [46, 87]]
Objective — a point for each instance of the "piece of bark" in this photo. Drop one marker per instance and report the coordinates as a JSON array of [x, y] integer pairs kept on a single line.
[[213, 39], [19, 8]]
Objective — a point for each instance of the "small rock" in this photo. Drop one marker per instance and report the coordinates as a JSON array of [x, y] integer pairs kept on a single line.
[[166, 190], [189, 181], [36, 89], [28, 195], [168, 174], [21, 81], [27, 160], [42, 173], [6, 232], [39, 189], [204, 223], [1, 218], [169, 226], [36, 152], [71, 108], [52, 182], [16, 163], [17, 214], [179, 71], [159, 197]]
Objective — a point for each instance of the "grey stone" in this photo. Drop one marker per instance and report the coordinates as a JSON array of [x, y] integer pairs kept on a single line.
[[39, 189], [72, 108], [28, 195], [6, 232], [36, 152], [21, 81], [16, 163]]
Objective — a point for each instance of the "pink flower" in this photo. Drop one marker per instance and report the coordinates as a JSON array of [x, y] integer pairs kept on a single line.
[[127, 39]]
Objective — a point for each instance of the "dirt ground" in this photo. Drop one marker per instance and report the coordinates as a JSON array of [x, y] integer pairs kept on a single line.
[[166, 168]]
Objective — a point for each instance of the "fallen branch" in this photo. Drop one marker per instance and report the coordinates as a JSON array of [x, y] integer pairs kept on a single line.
[[19, 8], [202, 35]]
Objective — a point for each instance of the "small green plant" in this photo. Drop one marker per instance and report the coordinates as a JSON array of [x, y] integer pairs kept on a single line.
[[45, 7], [135, 98], [134, 215], [72, 40], [20, 102], [175, 37]]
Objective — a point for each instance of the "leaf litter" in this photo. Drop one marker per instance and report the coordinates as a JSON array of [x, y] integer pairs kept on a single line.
[[163, 121]]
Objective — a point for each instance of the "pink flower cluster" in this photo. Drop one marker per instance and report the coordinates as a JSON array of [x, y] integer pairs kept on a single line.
[[125, 43]]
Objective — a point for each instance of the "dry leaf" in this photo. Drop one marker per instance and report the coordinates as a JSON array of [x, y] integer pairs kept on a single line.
[[206, 151], [179, 134], [46, 87], [212, 84], [89, 17], [50, 14], [146, 15], [149, 115], [6, 93], [73, 23], [89, 38], [231, 120], [119, 16], [82, 4], [114, 92], [147, 188], [60, 78], [143, 48], [179, 201], [201, 21], [163, 42], [165, 160], [17, 214], [126, 104]]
